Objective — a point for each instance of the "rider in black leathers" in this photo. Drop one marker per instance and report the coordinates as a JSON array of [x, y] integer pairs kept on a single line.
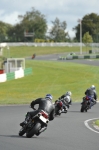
[[44, 104], [90, 92]]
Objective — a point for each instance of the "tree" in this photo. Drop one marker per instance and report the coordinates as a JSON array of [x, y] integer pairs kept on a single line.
[[90, 23], [57, 32], [87, 39], [34, 22], [4, 27], [16, 33]]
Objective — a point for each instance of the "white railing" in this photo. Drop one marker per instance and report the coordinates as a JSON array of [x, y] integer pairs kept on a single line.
[[51, 44]]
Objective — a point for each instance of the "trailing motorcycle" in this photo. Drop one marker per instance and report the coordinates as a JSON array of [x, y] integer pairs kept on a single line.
[[58, 107], [35, 125], [85, 105]]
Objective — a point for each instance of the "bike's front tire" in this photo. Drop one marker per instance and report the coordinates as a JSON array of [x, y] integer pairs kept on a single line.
[[22, 132]]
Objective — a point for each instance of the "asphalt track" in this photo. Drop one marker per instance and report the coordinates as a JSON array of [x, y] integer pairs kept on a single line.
[[54, 57], [71, 131], [66, 132]]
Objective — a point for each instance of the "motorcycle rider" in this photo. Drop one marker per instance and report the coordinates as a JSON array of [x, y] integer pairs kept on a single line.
[[44, 104], [91, 92], [94, 90], [66, 100]]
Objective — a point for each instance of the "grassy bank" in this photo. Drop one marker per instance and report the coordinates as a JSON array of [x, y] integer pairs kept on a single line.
[[97, 123], [26, 51], [50, 77]]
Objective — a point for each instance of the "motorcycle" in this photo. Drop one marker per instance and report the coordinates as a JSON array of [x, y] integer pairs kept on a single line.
[[58, 107], [33, 56], [85, 105], [65, 105], [35, 124]]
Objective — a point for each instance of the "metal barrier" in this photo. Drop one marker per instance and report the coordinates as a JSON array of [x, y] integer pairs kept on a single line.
[[15, 75]]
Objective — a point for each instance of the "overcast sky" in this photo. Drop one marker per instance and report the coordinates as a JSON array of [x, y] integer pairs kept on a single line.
[[65, 10]]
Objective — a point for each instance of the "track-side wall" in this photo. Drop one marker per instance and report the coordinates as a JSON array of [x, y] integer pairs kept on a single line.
[[15, 75]]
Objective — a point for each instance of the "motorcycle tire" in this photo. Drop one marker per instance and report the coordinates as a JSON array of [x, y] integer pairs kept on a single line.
[[82, 109], [22, 132], [57, 111], [34, 130], [85, 110], [65, 111]]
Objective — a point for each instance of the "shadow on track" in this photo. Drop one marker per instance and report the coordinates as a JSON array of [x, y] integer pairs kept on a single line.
[[76, 111], [15, 136]]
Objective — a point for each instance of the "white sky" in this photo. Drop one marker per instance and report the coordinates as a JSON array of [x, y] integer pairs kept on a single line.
[[65, 10]]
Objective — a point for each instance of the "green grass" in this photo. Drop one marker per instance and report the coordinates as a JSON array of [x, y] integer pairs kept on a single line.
[[26, 51], [97, 122], [50, 77]]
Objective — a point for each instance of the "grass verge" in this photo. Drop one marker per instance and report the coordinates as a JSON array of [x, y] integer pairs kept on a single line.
[[50, 77], [97, 123], [27, 51]]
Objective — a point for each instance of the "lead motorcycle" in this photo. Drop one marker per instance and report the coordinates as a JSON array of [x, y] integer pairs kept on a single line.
[[85, 105], [35, 124]]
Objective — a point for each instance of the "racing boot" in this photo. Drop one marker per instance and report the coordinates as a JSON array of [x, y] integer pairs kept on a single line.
[[23, 123], [27, 118]]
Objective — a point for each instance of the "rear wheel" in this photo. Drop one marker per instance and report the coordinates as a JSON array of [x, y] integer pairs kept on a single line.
[[82, 109], [59, 112], [34, 130]]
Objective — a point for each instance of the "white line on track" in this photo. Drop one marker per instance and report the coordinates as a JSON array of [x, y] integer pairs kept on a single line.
[[87, 125]]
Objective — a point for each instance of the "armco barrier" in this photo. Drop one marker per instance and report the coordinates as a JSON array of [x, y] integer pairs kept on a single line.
[[15, 75], [86, 57], [19, 73], [3, 77], [27, 71], [97, 56], [75, 57], [10, 76], [69, 57]]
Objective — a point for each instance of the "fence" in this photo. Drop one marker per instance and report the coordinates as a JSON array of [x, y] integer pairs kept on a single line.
[[93, 45]]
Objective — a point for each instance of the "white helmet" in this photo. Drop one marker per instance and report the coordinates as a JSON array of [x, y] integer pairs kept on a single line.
[[69, 93], [92, 87]]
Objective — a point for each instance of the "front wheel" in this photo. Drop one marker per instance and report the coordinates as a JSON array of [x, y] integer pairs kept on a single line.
[[22, 132], [57, 111], [34, 130]]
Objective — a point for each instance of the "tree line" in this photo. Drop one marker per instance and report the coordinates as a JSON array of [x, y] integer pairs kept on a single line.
[[32, 27]]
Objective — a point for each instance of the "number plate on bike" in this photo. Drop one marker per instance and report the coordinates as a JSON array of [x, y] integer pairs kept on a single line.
[[43, 119]]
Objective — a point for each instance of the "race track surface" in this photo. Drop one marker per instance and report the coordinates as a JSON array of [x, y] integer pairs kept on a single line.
[[54, 57], [66, 132]]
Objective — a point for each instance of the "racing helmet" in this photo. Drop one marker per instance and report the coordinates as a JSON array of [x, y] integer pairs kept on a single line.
[[93, 87], [49, 96], [69, 93]]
